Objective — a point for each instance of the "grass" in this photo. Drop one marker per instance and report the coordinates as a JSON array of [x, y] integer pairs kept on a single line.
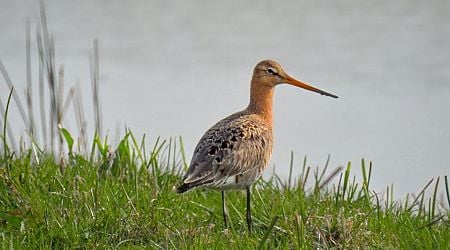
[[127, 200], [60, 189]]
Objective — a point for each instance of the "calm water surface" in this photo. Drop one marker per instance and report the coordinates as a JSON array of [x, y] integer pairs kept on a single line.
[[170, 69]]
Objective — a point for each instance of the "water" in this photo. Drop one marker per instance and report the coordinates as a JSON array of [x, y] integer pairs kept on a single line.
[[174, 69]]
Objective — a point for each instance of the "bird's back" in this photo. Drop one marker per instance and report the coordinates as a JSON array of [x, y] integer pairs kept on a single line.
[[232, 154]]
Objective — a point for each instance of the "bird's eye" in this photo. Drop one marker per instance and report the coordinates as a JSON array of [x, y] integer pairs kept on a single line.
[[270, 71]]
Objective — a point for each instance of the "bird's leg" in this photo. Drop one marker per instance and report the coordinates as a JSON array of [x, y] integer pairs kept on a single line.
[[249, 212], [224, 210]]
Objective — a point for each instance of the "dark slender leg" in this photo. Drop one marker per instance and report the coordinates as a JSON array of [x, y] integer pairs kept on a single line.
[[249, 212], [224, 210]]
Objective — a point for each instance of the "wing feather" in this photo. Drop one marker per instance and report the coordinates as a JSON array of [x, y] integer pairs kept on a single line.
[[233, 146]]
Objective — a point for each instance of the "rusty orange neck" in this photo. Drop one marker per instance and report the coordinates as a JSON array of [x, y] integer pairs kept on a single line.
[[261, 98]]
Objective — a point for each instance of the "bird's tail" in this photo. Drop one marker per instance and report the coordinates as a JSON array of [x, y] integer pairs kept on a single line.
[[186, 186], [183, 188]]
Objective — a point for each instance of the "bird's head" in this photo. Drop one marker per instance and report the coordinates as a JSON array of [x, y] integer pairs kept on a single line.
[[270, 73]]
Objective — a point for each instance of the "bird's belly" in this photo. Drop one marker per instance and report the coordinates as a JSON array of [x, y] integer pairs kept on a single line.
[[239, 181], [244, 168]]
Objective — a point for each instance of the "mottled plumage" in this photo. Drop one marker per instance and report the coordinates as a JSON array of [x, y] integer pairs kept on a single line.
[[234, 152]]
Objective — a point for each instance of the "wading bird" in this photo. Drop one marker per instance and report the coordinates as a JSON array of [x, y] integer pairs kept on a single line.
[[234, 152]]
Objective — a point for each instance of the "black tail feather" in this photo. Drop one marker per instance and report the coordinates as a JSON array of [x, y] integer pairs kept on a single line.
[[183, 188], [186, 186]]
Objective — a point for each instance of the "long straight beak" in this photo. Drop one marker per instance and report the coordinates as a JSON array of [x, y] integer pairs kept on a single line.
[[292, 81]]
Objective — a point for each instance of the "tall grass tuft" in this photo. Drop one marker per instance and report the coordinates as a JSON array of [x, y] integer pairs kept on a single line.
[[51, 87]]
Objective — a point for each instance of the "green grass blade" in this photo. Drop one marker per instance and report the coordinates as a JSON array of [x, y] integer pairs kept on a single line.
[[433, 204], [68, 138], [5, 119], [346, 180], [447, 191], [267, 233], [291, 165]]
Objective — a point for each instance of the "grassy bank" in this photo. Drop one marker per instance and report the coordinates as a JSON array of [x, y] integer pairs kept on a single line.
[[126, 199]]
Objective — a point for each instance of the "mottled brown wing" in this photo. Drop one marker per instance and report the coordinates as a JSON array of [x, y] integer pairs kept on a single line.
[[233, 146]]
